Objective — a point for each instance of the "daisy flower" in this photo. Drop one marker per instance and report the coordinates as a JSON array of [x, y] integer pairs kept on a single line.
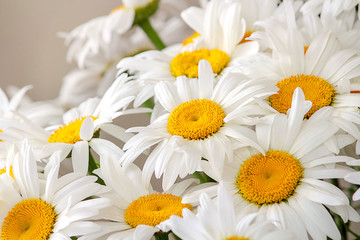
[[137, 211], [42, 113], [51, 208], [199, 118], [325, 72], [214, 222], [219, 44], [81, 126], [284, 180], [92, 36]]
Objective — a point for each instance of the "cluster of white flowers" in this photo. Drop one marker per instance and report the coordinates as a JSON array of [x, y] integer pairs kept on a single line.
[[254, 126]]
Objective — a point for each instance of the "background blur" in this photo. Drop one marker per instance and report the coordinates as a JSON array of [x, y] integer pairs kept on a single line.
[[30, 50]]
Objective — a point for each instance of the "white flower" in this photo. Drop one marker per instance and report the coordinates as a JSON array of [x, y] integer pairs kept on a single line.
[[200, 120], [137, 212], [284, 180], [80, 126], [354, 178], [219, 42], [51, 208], [323, 69], [336, 7], [221, 221]]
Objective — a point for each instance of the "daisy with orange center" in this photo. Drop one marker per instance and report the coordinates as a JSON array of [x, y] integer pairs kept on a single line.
[[81, 126], [326, 72], [198, 116], [137, 211], [34, 210], [221, 221], [218, 43], [285, 179]]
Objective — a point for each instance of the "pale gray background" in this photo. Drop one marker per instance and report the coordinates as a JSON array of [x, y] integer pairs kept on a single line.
[[30, 50]]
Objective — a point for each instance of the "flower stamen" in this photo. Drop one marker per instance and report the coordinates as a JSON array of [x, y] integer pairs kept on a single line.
[[196, 119], [269, 179], [153, 209], [29, 219], [317, 90], [186, 63]]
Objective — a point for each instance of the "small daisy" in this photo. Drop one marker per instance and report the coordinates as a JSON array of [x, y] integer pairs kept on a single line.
[[91, 37], [95, 36], [220, 222], [199, 118], [81, 126], [284, 180], [138, 212], [50, 208], [42, 113], [219, 44]]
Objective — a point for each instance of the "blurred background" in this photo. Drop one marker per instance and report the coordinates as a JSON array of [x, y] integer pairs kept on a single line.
[[30, 50]]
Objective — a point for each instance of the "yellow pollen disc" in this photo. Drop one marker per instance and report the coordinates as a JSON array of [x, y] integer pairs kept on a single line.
[[0, 139], [247, 34], [68, 133], [316, 89], [153, 209], [190, 39], [236, 238], [269, 179], [29, 219], [118, 8], [196, 119], [3, 170], [186, 64]]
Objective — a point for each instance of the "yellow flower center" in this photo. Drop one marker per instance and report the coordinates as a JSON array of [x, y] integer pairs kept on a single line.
[[29, 219], [316, 89], [236, 238], [196, 119], [153, 209], [186, 64], [247, 34], [190, 39], [68, 133], [269, 179], [3, 170]]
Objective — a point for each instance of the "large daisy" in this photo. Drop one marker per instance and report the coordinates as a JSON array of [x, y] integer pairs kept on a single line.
[[221, 221], [285, 180], [219, 42], [199, 120], [326, 73], [137, 211], [51, 208]]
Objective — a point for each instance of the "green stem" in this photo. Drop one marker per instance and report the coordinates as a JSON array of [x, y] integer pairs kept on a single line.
[[161, 236], [176, 237], [152, 34], [202, 177], [92, 166], [350, 231]]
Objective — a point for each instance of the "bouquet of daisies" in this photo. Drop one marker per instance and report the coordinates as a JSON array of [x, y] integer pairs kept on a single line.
[[252, 127]]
